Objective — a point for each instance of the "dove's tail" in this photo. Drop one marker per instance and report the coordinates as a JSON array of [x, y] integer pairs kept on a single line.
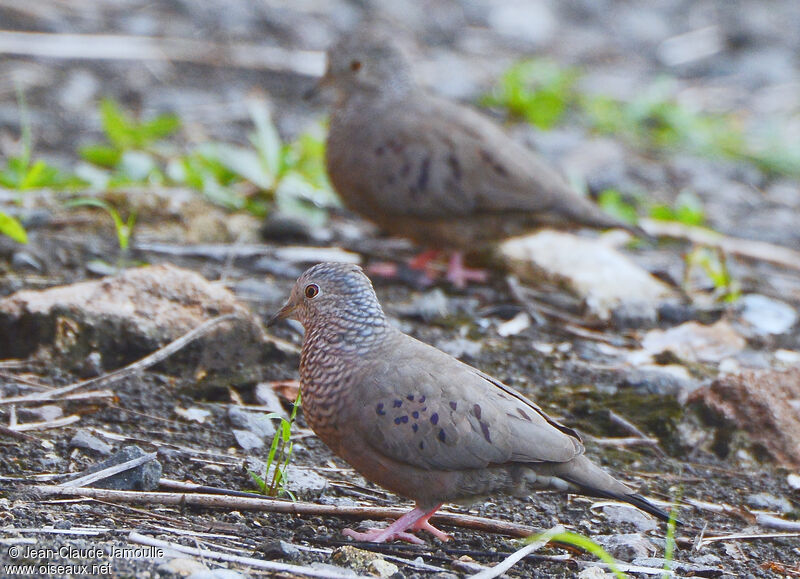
[[592, 480]]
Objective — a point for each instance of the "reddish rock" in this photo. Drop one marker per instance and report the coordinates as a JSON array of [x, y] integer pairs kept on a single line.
[[763, 404]]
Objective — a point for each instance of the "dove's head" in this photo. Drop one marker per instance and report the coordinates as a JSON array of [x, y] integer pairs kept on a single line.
[[336, 294], [369, 60]]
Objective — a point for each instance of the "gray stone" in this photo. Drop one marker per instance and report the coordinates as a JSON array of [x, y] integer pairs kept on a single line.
[[247, 439], [769, 502], [141, 478], [256, 422], [624, 514], [83, 439], [626, 546]]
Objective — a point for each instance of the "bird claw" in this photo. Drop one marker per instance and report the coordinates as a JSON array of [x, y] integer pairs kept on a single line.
[[426, 526], [382, 536]]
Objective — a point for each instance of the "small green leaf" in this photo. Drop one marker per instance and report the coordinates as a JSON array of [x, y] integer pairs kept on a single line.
[[611, 202], [11, 227], [102, 155], [570, 538]]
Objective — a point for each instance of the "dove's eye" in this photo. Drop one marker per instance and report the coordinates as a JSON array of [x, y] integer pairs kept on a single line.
[[355, 65], [312, 290]]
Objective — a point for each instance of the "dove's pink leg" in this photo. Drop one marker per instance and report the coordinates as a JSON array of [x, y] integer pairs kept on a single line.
[[459, 275], [414, 520], [424, 262]]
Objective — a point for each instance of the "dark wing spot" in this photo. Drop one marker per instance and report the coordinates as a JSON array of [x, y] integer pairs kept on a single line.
[[421, 399], [496, 166], [395, 146], [415, 427], [397, 403], [455, 167], [442, 436], [477, 411], [424, 173], [453, 405], [379, 409], [435, 418], [485, 430], [415, 414], [401, 420], [523, 414], [410, 397], [421, 444]]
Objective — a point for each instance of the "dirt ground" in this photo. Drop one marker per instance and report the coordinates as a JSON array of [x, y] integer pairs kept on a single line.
[[722, 480]]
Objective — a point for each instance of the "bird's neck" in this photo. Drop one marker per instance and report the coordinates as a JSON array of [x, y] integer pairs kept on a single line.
[[393, 90], [329, 365], [331, 348]]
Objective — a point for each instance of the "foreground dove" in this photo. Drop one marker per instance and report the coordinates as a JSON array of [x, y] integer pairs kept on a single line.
[[430, 169], [418, 422]]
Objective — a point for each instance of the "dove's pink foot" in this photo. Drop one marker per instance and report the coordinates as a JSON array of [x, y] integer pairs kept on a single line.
[[459, 275], [414, 520], [426, 263]]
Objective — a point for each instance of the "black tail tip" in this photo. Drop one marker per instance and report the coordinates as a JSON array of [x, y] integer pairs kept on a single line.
[[642, 503]]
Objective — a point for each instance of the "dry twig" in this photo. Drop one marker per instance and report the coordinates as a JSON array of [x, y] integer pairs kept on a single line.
[[278, 506]]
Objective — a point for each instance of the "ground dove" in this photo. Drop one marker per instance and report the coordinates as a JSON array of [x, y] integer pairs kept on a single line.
[[419, 422], [432, 170]]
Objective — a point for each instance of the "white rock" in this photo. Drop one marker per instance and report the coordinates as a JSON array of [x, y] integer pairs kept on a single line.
[[602, 276], [767, 316], [193, 414], [695, 342], [794, 481], [383, 568], [594, 573], [515, 325]]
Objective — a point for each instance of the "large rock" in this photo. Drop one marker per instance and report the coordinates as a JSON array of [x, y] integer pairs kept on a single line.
[[126, 317], [603, 277], [763, 404]]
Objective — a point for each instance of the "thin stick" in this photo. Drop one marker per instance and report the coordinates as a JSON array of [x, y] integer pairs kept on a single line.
[[513, 559], [55, 423], [745, 536], [135, 537], [278, 506], [146, 362], [123, 47], [749, 248], [633, 429], [624, 442]]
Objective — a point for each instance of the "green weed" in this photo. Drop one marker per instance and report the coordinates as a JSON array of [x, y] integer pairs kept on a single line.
[[542, 93], [123, 228], [577, 540], [22, 173], [11, 227], [538, 91], [612, 202], [268, 173], [688, 209], [274, 480], [713, 263]]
